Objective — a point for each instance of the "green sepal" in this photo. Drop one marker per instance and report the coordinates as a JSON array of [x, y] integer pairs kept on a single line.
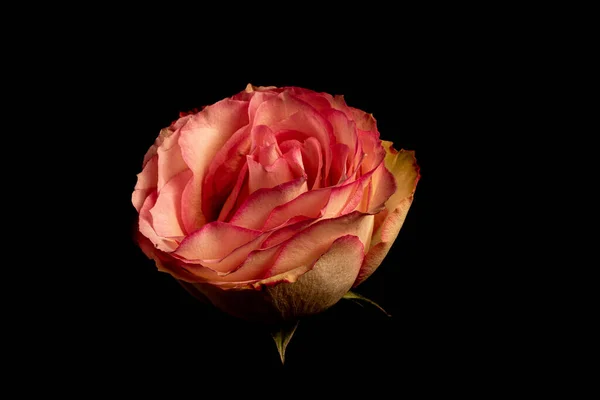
[[357, 298]]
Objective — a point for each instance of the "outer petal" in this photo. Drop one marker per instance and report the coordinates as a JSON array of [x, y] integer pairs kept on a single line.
[[146, 229], [146, 183], [166, 213], [304, 291], [403, 165], [384, 241], [170, 161], [298, 293], [383, 185], [307, 245], [212, 128], [374, 151]]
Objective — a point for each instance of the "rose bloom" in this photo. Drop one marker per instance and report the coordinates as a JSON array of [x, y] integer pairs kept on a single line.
[[273, 203]]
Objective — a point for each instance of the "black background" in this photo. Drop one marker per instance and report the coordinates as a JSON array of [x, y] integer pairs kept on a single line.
[[151, 322], [130, 324]]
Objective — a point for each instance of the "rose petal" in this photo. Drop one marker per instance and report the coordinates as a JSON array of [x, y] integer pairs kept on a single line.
[[204, 270], [294, 158], [383, 185], [339, 154], [311, 289], [214, 241], [313, 162], [238, 192], [345, 132], [364, 121], [170, 161], [164, 133], [223, 172], [267, 177], [403, 166], [311, 124], [287, 112], [212, 127], [314, 240], [163, 263], [267, 155], [257, 99], [286, 232], [302, 248], [261, 135], [383, 240], [146, 183], [308, 204], [254, 211], [146, 229], [166, 213], [373, 150]]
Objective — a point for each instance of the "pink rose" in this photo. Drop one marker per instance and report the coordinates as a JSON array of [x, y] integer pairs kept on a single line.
[[272, 203]]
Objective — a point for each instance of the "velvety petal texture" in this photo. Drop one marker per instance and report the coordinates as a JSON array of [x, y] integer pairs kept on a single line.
[[273, 203]]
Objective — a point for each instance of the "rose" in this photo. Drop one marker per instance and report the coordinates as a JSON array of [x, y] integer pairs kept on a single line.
[[272, 203]]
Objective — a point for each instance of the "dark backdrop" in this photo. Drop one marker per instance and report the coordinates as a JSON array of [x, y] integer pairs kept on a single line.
[[134, 318]]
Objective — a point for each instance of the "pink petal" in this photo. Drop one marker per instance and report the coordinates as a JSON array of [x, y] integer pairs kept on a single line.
[[267, 155], [303, 248], [206, 269], [339, 154], [267, 177], [170, 161], [214, 241], [201, 138], [339, 103], [261, 135], [146, 183], [311, 289], [403, 166], [278, 108], [237, 192], [286, 232], [364, 121], [223, 173], [146, 229], [166, 213], [346, 133], [313, 241], [383, 240], [306, 290], [294, 158], [313, 162], [345, 198], [254, 211], [287, 112], [255, 102], [383, 186], [164, 133], [374, 151], [287, 145], [164, 262], [312, 124], [308, 204]]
